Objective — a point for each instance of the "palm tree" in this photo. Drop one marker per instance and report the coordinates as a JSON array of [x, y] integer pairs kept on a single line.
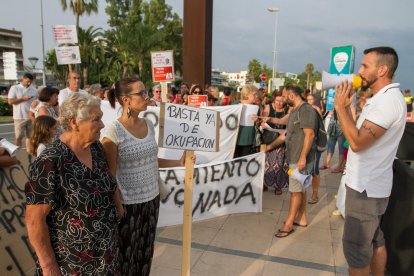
[[79, 7], [309, 70], [90, 46], [254, 68], [122, 39], [144, 40]]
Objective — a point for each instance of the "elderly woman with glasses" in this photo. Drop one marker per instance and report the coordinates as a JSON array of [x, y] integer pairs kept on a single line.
[[71, 216], [131, 150]]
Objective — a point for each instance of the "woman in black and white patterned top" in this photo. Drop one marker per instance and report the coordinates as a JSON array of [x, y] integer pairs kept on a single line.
[[71, 217], [131, 151]]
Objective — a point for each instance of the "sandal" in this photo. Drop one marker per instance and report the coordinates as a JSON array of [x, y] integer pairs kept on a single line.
[[337, 170], [283, 233], [300, 225], [313, 200], [324, 167]]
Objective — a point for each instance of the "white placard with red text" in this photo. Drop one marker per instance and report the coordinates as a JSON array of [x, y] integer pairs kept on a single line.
[[162, 65], [65, 34]]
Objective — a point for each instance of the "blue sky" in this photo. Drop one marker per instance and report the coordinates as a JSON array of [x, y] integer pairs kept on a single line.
[[244, 29]]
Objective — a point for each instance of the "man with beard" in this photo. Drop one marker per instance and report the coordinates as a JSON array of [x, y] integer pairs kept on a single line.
[[373, 141], [301, 151]]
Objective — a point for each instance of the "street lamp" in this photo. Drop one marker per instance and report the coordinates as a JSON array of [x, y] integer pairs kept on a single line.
[[43, 43], [275, 10], [33, 61]]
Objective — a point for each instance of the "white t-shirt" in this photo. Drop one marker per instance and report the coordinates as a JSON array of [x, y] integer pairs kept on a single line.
[[137, 168], [41, 147], [21, 110], [371, 168], [65, 92]]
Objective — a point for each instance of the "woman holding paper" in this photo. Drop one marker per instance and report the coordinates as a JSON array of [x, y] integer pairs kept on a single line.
[[277, 165], [131, 151], [247, 132]]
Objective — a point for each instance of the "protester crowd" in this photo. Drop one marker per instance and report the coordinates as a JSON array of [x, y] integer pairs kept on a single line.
[[91, 209]]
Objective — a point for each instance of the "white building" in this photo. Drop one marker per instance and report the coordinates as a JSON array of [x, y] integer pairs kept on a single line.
[[218, 78], [236, 79]]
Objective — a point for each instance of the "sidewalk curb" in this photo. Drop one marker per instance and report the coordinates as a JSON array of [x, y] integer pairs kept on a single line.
[[6, 122]]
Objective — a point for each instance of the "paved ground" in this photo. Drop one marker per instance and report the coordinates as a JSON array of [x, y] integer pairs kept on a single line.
[[7, 130], [244, 244]]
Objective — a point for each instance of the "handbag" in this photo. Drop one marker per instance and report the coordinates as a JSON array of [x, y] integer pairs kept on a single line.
[[269, 136]]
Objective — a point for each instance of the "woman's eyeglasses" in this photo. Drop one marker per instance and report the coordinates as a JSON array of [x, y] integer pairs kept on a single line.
[[140, 93], [197, 92]]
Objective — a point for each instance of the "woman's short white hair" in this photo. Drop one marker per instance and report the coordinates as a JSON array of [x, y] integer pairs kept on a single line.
[[78, 106], [247, 90]]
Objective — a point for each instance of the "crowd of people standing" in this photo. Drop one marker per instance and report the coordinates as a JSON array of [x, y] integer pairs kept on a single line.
[[91, 209]]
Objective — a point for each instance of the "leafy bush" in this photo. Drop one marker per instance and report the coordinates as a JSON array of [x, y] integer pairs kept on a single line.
[[5, 108]]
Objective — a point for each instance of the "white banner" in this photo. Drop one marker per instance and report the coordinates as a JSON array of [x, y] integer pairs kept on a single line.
[[219, 189], [229, 127]]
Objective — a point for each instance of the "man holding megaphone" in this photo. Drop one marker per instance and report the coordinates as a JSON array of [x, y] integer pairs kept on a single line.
[[373, 141]]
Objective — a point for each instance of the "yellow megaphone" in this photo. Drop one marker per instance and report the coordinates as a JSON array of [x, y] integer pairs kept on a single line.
[[332, 80]]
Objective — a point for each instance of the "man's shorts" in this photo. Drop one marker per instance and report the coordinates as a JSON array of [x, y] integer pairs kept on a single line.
[[362, 230], [22, 127], [294, 185]]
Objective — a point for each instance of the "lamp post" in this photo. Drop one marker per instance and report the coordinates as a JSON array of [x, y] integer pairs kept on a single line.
[[275, 10], [43, 43], [33, 61]]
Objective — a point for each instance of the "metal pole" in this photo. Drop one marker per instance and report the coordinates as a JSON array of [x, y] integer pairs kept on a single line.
[[43, 43], [274, 67]]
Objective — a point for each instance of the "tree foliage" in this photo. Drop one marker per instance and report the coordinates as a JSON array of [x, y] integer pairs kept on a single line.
[[309, 71], [80, 7], [254, 68], [59, 72], [139, 27]]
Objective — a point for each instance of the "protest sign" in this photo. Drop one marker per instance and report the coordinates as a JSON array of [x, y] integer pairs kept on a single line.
[[16, 255], [197, 100], [229, 126], [68, 55], [10, 65], [162, 64], [219, 189], [188, 128], [65, 34]]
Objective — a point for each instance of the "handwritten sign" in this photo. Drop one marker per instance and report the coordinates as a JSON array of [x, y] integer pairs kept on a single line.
[[17, 257], [189, 128], [162, 64], [197, 100], [219, 188], [65, 34], [10, 65], [68, 55]]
